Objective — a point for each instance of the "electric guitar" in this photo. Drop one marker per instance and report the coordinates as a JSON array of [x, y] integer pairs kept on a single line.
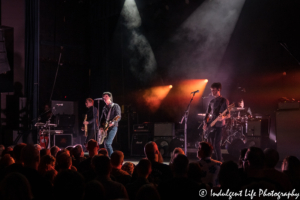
[[85, 127], [102, 134], [210, 126]]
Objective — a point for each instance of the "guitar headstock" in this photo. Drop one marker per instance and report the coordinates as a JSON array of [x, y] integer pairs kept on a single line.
[[231, 106]]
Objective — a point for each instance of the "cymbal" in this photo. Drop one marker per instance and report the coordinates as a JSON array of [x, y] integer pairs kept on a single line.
[[39, 124], [237, 109]]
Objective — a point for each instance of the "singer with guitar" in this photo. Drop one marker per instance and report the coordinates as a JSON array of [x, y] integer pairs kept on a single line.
[[216, 106], [111, 115], [91, 120]]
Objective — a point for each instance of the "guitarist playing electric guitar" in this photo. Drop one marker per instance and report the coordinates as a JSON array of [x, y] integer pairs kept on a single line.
[[216, 106], [109, 116]]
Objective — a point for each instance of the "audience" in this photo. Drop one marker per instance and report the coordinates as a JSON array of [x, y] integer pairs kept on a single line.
[[117, 174], [78, 155], [160, 172], [176, 151], [29, 173], [102, 167], [180, 186], [143, 170], [15, 186], [291, 167], [128, 167], [54, 150], [209, 166], [68, 185]]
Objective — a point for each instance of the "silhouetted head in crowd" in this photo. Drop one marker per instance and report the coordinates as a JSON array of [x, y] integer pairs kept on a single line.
[[103, 152], [64, 151], [94, 189], [30, 156], [195, 172], [64, 161], [50, 175], [70, 149], [147, 192], [144, 168], [128, 167], [17, 152], [176, 151], [15, 186], [47, 163], [8, 150], [92, 147], [205, 150], [38, 147], [242, 156], [180, 166], [44, 152], [54, 150], [271, 158], [6, 160], [77, 151], [102, 166], [68, 185], [291, 166], [151, 151], [229, 175], [254, 159], [117, 159]]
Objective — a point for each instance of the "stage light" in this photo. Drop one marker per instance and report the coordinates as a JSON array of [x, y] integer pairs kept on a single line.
[[206, 80], [154, 96], [170, 86]]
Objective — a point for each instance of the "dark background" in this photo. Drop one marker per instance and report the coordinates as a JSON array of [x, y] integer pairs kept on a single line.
[[93, 42]]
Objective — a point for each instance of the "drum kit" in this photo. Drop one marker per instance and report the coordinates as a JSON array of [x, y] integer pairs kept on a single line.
[[234, 134], [236, 127]]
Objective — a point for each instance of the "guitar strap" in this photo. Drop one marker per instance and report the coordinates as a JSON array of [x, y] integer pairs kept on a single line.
[[218, 108], [108, 115]]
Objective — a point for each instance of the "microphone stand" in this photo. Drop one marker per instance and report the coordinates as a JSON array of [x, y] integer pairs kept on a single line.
[[185, 118]]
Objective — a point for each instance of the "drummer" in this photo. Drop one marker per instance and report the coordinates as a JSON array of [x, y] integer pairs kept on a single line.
[[244, 111]]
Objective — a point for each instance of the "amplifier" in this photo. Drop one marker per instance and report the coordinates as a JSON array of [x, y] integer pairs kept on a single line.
[[138, 143], [164, 129], [288, 105], [63, 140], [258, 127], [145, 127]]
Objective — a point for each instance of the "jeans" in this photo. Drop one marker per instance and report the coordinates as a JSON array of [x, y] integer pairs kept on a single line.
[[111, 133], [215, 139]]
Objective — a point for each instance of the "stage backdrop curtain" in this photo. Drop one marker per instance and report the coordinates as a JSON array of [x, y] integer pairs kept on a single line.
[[32, 57]]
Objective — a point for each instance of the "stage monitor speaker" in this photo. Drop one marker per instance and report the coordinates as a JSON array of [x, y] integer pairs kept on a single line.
[[258, 127], [287, 133], [63, 140], [164, 129], [163, 144], [138, 143]]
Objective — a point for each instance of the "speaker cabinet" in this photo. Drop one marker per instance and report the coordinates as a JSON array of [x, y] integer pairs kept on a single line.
[[288, 133], [138, 143], [163, 144], [164, 129], [63, 140], [258, 127]]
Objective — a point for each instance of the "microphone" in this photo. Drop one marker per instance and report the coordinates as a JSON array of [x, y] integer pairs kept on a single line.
[[98, 99], [195, 92], [59, 104]]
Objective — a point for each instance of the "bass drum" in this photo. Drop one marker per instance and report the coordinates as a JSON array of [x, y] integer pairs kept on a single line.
[[234, 149]]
